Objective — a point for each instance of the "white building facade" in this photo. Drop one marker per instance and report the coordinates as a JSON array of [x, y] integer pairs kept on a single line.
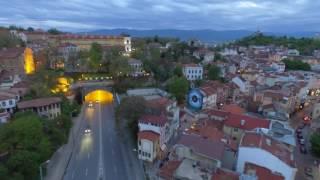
[[193, 72]]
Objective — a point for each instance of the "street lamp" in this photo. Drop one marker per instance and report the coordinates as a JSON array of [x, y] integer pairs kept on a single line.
[[40, 168]]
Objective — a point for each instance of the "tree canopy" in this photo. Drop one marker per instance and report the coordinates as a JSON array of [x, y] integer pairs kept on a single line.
[[54, 31], [95, 55], [296, 65], [304, 45], [213, 72], [26, 144], [315, 144], [178, 87]]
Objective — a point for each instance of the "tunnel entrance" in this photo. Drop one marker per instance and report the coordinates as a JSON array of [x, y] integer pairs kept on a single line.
[[99, 95]]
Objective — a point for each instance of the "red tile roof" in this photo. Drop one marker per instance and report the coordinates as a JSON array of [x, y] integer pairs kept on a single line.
[[38, 102], [261, 172], [279, 150], [203, 146], [208, 90], [150, 135], [158, 120], [233, 108], [167, 171], [222, 174], [161, 102], [215, 112], [11, 53], [249, 123], [84, 37]]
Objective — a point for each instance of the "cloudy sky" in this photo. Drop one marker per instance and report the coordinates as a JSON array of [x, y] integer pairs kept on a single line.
[[78, 15]]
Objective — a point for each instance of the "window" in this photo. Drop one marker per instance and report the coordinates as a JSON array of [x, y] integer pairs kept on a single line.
[[140, 142], [4, 103], [235, 129], [10, 102], [139, 151]]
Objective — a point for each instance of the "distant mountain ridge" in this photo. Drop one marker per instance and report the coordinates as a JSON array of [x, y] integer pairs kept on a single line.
[[209, 36]]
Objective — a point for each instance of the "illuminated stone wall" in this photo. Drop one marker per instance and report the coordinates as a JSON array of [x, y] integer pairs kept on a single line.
[[29, 65]]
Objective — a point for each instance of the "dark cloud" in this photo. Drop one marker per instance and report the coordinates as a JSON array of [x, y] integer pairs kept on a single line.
[[268, 15]]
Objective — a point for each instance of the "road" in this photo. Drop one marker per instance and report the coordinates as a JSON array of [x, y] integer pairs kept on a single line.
[[99, 155]]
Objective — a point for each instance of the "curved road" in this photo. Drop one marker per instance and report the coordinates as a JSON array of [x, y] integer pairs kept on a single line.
[[99, 155]]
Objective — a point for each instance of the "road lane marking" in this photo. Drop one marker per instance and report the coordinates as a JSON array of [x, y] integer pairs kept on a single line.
[[110, 139], [88, 155], [72, 175], [86, 171], [112, 152]]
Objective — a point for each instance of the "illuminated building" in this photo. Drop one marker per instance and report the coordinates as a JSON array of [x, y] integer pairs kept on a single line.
[[29, 65]]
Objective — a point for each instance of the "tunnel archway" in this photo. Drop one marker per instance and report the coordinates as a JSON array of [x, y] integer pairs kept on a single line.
[[99, 95]]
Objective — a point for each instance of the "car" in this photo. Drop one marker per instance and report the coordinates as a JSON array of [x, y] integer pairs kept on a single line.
[[87, 131], [308, 171], [299, 136], [299, 130], [301, 141], [90, 104], [303, 149]]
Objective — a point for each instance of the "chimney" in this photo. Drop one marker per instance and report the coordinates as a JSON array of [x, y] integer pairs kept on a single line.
[[242, 122]]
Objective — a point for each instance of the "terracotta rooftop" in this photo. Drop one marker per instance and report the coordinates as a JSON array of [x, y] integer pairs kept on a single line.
[[167, 171], [215, 112], [246, 122], [84, 37], [208, 90], [222, 174], [4, 95], [279, 150], [203, 146], [158, 120], [150, 135], [233, 108], [261, 172], [161, 102], [11, 53], [38, 102]]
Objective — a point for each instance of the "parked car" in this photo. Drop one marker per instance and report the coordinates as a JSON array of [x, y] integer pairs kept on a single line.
[[308, 171], [299, 130], [303, 149], [301, 141]]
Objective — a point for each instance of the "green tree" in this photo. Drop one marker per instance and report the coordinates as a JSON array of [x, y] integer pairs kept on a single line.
[[95, 56], [296, 65], [26, 144], [54, 31], [315, 144], [30, 29], [178, 86], [214, 72], [119, 67], [129, 111], [178, 71]]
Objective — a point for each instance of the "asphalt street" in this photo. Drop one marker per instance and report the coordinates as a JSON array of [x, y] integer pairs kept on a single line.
[[98, 155]]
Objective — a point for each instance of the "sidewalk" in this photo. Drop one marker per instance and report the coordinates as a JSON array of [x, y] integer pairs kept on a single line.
[[60, 159]]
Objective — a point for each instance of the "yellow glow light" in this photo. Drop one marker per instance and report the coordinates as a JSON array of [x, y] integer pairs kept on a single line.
[[29, 65], [99, 95]]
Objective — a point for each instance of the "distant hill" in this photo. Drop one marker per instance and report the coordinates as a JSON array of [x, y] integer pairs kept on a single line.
[[209, 36]]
